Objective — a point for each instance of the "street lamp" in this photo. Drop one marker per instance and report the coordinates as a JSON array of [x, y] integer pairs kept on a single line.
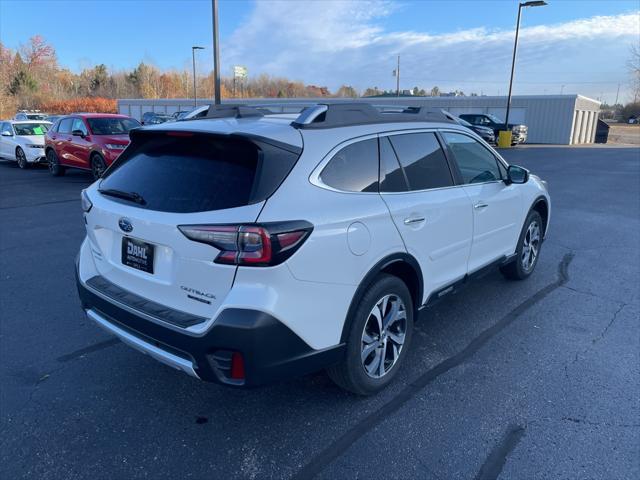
[[193, 55], [216, 52], [535, 3]]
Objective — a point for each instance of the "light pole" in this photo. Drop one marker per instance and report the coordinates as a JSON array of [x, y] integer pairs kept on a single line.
[[398, 78], [216, 52], [535, 3], [195, 93]]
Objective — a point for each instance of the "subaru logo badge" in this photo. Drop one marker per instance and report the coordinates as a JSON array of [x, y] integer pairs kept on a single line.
[[125, 225]]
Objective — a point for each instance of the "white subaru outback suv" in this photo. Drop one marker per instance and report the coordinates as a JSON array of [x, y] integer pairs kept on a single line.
[[245, 248]]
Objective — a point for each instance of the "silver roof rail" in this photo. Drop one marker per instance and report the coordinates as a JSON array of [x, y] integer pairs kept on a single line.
[[334, 115], [310, 115]]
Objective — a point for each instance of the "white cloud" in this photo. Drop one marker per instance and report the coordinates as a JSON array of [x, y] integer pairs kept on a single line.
[[335, 42]]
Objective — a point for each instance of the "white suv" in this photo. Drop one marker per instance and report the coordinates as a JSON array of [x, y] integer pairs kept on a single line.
[[245, 247]]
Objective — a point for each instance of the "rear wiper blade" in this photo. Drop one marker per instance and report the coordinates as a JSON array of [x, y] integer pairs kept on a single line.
[[133, 196]]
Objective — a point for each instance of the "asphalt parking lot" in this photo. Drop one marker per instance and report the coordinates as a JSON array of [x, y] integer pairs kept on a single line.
[[510, 380]]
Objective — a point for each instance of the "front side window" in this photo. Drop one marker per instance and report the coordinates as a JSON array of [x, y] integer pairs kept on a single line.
[[423, 161], [78, 125], [65, 125], [354, 168], [476, 163]]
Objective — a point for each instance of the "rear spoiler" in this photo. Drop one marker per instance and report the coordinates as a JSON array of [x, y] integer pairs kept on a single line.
[[140, 134]]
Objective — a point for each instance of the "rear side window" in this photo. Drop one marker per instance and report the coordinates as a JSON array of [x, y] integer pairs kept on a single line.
[[65, 125], [354, 168], [476, 163], [392, 177], [423, 160], [197, 173]]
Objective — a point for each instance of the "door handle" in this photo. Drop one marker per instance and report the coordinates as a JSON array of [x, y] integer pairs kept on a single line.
[[414, 220], [480, 205]]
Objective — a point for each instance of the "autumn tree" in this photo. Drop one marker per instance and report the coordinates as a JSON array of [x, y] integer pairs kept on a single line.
[[372, 92], [30, 77], [347, 91]]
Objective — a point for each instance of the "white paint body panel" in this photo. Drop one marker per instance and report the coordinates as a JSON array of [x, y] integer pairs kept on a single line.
[[441, 243], [497, 226], [311, 292]]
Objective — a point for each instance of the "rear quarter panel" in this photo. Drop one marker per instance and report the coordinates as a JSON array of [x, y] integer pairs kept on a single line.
[[352, 232]]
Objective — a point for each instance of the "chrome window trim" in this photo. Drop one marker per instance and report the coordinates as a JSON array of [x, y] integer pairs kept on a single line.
[[479, 139], [314, 178]]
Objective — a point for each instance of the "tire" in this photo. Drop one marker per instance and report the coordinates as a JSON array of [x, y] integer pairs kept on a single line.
[[98, 166], [55, 168], [366, 374], [21, 158], [528, 250]]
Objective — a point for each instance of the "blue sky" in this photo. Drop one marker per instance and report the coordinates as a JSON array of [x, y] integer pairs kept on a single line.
[[466, 44]]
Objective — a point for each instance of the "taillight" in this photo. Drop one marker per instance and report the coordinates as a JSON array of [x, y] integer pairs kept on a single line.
[[259, 245]]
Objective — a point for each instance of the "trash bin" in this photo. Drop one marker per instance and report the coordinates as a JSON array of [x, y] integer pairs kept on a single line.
[[602, 132], [504, 138]]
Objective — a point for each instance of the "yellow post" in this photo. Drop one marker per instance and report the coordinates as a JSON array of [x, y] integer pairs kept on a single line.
[[504, 138]]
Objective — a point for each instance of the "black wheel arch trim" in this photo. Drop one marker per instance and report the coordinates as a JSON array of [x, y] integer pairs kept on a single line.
[[98, 153], [543, 199], [372, 274]]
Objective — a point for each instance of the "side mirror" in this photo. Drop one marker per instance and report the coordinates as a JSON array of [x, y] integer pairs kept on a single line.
[[516, 174], [7, 133], [78, 133]]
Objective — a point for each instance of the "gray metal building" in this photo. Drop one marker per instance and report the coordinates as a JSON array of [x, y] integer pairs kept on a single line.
[[552, 119]]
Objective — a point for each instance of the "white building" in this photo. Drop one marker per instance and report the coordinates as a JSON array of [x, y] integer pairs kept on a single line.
[[552, 119]]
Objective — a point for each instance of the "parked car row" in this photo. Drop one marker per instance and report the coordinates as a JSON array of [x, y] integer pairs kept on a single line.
[[87, 141]]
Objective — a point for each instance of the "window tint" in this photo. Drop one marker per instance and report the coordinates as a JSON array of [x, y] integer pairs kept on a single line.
[[423, 160], [392, 177], [78, 124], [193, 174], [476, 163], [354, 168], [65, 125]]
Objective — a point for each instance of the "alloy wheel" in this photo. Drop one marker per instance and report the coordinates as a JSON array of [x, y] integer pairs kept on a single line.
[[530, 246], [52, 162], [97, 167], [22, 159], [383, 336]]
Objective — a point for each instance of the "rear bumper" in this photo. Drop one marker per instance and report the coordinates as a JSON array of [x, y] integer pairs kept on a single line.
[[270, 350]]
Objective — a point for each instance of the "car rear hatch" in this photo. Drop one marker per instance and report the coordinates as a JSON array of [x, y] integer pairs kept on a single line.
[[170, 178]]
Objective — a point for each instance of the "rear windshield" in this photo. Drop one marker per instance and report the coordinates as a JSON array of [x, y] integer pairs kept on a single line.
[[196, 173]]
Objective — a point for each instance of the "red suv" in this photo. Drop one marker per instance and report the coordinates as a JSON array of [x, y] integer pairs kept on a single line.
[[89, 141]]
